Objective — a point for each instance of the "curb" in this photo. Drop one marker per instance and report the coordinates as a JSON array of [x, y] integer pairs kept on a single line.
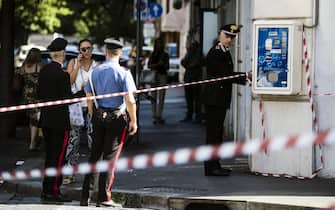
[[153, 200], [127, 198]]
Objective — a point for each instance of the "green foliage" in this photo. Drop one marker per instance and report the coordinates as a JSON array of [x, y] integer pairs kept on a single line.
[[42, 16], [97, 19], [102, 18]]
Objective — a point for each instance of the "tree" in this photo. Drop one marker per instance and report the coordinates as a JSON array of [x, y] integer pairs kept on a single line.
[[38, 16], [97, 19], [100, 19]]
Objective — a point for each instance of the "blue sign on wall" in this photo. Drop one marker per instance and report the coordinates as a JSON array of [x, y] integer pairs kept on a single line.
[[156, 10], [272, 60]]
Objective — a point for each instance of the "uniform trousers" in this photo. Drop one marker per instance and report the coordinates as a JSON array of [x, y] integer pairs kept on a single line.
[[215, 117], [106, 139], [56, 141]]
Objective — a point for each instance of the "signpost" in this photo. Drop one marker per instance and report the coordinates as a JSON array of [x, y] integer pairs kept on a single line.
[[148, 10], [144, 9], [155, 10]]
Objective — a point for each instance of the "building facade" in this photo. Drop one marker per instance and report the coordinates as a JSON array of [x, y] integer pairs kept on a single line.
[[283, 113]]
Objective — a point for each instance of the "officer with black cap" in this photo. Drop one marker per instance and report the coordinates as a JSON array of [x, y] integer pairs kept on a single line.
[[109, 118], [217, 95], [54, 84]]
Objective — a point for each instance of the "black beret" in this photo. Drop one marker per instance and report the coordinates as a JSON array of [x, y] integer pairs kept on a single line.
[[230, 29], [113, 44], [57, 44]]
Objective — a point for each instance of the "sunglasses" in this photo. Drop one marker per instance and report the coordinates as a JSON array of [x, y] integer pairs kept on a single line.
[[86, 49]]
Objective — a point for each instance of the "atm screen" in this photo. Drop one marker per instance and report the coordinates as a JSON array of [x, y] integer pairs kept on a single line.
[[272, 59]]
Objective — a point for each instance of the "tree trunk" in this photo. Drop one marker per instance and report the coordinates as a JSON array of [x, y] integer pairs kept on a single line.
[[7, 63]]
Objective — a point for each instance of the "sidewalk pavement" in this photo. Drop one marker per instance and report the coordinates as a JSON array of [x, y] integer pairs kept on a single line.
[[183, 186]]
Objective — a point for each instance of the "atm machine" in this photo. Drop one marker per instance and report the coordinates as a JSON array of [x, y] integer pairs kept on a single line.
[[279, 83], [277, 52]]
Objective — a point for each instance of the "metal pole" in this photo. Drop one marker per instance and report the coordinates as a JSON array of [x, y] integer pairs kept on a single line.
[[138, 54]]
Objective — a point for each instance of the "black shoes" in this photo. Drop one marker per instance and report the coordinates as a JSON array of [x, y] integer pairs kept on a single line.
[[59, 198], [218, 172]]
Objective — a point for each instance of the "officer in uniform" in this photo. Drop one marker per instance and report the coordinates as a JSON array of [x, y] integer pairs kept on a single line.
[[54, 84], [109, 117], [217, 95]]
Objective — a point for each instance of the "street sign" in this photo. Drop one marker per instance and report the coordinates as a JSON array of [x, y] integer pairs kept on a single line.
[[145, 14], [156, 10]]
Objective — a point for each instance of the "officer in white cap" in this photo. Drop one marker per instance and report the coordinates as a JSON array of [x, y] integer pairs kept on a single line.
[[109, 117], [217, 95]]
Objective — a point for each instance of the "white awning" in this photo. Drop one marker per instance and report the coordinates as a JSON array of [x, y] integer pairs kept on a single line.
[[174, 21]]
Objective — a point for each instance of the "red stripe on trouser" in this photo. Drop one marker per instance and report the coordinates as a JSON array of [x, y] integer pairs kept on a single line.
[[111, 180], [60, 160]]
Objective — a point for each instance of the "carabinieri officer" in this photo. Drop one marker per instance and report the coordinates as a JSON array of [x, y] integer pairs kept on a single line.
[[109, 116], [217, 95], [54, 84]]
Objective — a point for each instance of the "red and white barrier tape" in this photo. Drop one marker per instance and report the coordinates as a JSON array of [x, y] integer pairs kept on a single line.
[[182, 156], [311, 98], [309, 81], [74, 100], [261, 110]]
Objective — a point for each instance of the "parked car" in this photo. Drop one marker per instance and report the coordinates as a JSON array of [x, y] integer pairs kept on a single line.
[[146, 50], [22, 52], [70, 54]]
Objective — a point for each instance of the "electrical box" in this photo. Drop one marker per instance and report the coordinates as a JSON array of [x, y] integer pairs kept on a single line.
[[277, 57]]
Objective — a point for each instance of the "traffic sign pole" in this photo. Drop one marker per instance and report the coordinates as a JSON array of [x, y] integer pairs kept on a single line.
[[138, 62]]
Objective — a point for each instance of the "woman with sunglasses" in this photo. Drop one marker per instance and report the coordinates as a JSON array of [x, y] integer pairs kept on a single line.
[[80, 69]]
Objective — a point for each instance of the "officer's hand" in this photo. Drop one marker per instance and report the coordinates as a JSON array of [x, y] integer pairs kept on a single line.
[[250, 75], [132, 127]]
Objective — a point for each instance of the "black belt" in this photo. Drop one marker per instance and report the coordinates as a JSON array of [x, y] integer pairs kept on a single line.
[[108, 114]]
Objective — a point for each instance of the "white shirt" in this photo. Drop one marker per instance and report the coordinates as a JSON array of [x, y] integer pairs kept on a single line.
[[81, 79]]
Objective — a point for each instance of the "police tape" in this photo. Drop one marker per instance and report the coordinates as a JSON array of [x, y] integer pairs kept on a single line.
[[182, 156], [75, 100]]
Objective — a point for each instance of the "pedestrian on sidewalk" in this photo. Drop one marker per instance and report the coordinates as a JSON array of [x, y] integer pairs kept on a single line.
[[193, 62], [30, 71], [159, 62], [217, 95], [109, 118], [80, 69], [54, 84]]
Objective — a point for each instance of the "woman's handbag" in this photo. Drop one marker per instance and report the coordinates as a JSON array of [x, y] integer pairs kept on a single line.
[[76, 112], [76, 115]]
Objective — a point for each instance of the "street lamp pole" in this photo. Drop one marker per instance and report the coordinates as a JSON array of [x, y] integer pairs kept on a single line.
[[138, 54]]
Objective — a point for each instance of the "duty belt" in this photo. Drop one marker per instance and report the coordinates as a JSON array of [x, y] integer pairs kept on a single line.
[[107, 114]]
